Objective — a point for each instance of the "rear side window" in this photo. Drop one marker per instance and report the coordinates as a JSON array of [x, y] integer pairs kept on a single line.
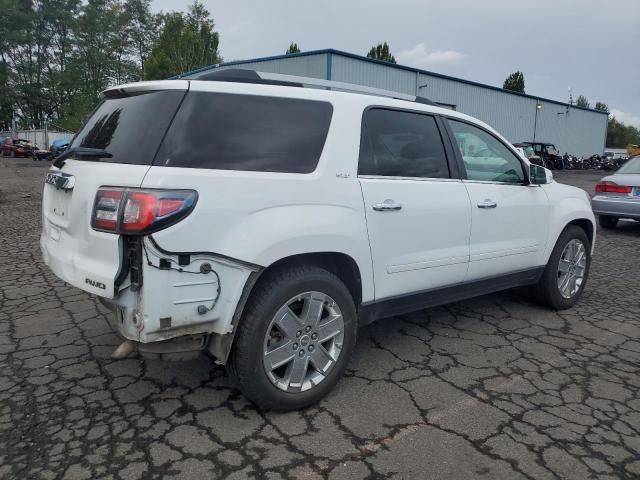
[[130, 127], [401, 144], [247, 132]]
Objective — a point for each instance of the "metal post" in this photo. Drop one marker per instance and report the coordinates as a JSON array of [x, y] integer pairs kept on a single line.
[[535, 120], [13, 121]]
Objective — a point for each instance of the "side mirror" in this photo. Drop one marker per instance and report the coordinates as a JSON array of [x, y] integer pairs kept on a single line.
[[539, 175]]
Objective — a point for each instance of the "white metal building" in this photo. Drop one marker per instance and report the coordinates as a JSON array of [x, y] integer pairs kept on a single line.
[[572, 129]]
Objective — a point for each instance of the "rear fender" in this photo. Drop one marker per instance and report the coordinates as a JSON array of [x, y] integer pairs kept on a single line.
[[275, 233]]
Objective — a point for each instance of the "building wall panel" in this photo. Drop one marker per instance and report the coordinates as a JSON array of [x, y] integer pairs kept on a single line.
[[314, 66], [573, 130]]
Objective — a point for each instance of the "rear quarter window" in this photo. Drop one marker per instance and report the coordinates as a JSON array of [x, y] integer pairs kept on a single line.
[[247, 132]]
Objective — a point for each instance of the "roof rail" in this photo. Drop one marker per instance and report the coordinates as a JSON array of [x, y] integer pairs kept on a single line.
[[252, 76]]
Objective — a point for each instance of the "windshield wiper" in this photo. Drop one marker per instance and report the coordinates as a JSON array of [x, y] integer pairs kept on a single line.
[[82, 152]]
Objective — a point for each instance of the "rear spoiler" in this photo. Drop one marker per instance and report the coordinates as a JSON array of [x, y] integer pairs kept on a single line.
[[133, 88]]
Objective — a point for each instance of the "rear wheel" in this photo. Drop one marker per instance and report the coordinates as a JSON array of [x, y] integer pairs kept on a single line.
[[294, 339], [567, 271], [607, 221]]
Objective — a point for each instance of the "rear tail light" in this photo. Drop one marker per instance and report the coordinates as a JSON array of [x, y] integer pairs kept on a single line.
[[612, 187], [137, 212]]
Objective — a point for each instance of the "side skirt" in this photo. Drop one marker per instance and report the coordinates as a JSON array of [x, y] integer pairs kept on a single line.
[[412, 302]]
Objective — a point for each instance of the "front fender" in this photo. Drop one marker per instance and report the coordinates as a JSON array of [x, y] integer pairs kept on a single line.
[[563, 212]]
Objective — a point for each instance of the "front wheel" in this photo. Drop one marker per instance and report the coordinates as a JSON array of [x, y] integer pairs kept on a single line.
[[565, 275], [294, 339]]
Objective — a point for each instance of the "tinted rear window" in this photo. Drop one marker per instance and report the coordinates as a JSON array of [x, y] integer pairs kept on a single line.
[[130, 128], [246, 132]]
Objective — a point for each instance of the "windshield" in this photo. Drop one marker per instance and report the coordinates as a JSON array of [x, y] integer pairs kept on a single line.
[[631, 166], [130, 128]]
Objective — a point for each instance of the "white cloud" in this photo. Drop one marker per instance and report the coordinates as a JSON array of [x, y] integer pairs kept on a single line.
[[625, 117], [419, 56]]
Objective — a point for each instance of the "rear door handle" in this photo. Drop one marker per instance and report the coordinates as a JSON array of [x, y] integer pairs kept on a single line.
[[388, 204], [487, 204]]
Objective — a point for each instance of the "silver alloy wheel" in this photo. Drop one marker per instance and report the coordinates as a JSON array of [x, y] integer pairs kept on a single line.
[[303, 342], [571, 268]]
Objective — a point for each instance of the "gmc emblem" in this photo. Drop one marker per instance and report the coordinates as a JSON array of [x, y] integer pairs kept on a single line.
[[61, 181], [95, 284]]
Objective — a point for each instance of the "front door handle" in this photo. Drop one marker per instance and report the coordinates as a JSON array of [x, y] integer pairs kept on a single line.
[[388, 204], [488, 203]]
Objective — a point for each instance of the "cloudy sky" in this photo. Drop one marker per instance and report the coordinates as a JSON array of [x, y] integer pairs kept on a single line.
[[590, 46]]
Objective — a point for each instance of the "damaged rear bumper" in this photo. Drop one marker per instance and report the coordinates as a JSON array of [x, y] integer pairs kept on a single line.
[[173, 301]]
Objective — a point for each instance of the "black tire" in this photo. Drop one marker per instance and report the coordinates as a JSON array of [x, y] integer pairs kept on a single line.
[[546, 291], [607, 221], [245, 365]]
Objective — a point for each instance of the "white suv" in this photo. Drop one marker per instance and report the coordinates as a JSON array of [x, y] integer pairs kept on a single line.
[[263, 222]]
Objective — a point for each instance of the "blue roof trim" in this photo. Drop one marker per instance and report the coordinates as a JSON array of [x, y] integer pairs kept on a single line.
[[387, 64]]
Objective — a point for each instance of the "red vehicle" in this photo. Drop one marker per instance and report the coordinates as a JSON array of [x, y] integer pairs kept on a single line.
[[17, 147]]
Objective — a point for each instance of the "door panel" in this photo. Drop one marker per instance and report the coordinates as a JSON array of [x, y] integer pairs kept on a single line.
[[510, 236], [424, 244], [509, 217]]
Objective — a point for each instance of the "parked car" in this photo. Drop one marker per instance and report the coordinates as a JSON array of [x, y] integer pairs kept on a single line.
[[41, 155], [264, 222], [17, 147], [59, 146], [618, 195]]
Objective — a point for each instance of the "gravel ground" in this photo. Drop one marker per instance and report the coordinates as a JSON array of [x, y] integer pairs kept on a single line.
[[494, 388]]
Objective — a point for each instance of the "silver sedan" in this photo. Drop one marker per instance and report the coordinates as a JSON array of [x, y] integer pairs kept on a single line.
[[618, 195]]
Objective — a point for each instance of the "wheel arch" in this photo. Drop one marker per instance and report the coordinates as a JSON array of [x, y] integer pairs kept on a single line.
[[585, 224], [338, 263]]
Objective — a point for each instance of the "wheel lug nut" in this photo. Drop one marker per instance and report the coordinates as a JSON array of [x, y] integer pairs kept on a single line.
[[295, 346], [298, 333], [301, 353], [311, 347], [308, 329], [314, 336]]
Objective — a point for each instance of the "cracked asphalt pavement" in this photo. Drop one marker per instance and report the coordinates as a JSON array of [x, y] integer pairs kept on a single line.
[[494, 387]]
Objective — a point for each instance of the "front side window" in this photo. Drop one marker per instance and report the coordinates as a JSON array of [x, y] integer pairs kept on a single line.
[[246, 132], [485, 157], [401, 144]]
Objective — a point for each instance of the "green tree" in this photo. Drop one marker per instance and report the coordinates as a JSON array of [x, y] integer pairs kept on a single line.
[[583, 102], [620, 135], [25, 51], [381, 52], [293, 48], [186, 42], [143, 30], [6, 97], [514, 82], [63, 83], [602, 107], [56, 56]]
